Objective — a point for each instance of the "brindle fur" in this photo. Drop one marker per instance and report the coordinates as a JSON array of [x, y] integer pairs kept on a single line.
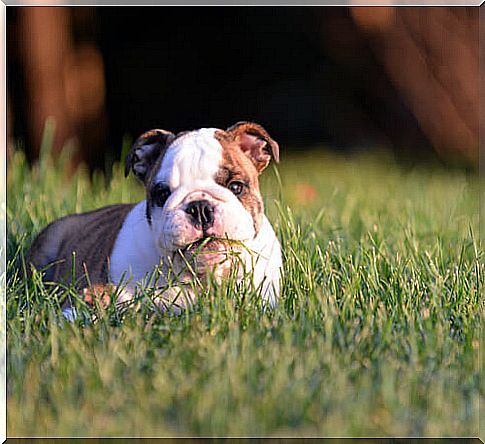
[[90, 235]]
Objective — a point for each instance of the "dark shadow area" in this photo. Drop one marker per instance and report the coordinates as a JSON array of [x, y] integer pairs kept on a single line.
[[311, 76]]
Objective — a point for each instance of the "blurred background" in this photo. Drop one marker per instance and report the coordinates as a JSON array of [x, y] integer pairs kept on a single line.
[[348, 79]]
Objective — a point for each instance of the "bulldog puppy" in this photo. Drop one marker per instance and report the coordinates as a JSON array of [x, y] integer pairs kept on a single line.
[[203, 214]]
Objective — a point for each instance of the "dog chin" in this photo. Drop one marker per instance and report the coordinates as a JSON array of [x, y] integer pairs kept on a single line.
[[206, 256]]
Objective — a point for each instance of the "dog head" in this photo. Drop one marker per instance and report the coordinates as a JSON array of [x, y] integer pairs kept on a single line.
[[202, 190]]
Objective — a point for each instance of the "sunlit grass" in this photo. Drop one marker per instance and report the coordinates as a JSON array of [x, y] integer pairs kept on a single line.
[[376, 332]]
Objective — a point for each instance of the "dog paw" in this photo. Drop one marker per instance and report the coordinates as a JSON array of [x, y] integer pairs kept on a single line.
[[98, 294], [69, 314]]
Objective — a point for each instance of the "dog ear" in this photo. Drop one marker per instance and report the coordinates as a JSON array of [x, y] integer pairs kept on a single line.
[[256, 143], [145, 152]]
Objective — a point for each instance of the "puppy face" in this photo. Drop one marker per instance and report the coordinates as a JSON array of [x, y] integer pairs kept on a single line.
[[203, 198]]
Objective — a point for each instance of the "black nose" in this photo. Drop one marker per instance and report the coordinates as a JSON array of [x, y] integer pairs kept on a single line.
[[201, 213]]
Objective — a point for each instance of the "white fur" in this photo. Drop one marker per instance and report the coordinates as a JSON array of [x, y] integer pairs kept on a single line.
[[268, 263], [70, 314], [134, 253], [189, 168], [195, 156]]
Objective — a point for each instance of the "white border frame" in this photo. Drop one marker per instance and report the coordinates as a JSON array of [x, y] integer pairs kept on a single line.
[[3, 226], [3, 137]]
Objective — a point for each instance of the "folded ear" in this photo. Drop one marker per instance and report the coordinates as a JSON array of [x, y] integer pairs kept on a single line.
[[256, 143], [145, 152]]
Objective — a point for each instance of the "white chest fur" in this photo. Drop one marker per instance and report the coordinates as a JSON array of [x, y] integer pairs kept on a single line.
[[134, 253]]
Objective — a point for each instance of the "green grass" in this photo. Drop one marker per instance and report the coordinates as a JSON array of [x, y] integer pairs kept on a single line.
[[376, 333]]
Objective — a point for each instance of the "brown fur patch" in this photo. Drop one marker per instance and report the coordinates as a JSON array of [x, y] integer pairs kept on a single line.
[[256, 143], [237, 166], [98, 294], [145, 152]]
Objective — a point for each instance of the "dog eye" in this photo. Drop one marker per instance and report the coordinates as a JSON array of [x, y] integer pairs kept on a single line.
[[160, 194], [236, 187]]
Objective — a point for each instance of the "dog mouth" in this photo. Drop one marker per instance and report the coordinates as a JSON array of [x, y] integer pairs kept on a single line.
[[208, 246], [207, 252]]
